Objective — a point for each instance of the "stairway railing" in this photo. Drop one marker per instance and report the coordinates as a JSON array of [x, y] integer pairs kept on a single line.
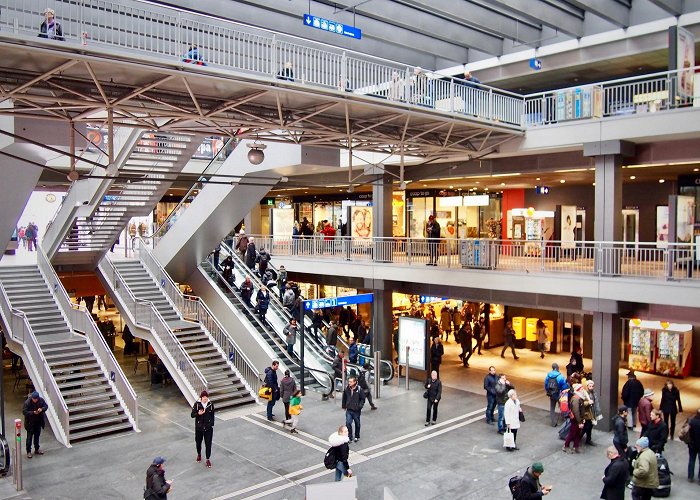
[[146, 315], [81, 321], [20, 331]]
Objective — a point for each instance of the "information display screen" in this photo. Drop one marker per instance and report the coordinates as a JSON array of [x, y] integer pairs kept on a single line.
[[413, 332]]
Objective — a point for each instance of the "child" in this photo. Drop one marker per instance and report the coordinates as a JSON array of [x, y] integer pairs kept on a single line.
[[294, 410]]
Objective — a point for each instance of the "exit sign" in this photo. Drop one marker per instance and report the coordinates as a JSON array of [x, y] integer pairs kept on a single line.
[[332, 26]]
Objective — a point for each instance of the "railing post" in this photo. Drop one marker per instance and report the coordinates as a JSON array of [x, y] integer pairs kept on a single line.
[[448, 244], [408, 348], [491, 104], [178, 35], [452, 95], [273, 56], [343, 72], [409, 250], [377, 384], [543, 247]]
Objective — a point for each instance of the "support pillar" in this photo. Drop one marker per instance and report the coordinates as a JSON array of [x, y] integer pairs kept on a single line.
[[382, 223], [382, 322], [607, 334], [252, 221]]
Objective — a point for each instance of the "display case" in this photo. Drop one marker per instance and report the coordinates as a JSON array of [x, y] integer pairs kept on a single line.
[[642, 346], [673, 345]]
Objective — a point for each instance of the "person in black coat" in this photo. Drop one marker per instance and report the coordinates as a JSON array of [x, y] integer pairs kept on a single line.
[[263, 302], [251, 254], [620, 437], [271, 382], [51, 28], [530, 488], [155, 480], [693, 445], [632, 392], [465, 339], [34, 410], [433, 393], [203, 415], [657, 432], [436, 353], [616, 476], [671, 404]]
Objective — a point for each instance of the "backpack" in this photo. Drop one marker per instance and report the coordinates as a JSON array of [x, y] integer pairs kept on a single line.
[[552, 387], [665, 473], [514, 486], [684, 434], [329, 460]]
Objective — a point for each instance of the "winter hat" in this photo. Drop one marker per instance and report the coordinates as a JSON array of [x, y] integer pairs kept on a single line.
[[643, 442], [35, 395], [537, 467], [203, 393], [648, 392], [622, 408], [577, 387], [158, 461]]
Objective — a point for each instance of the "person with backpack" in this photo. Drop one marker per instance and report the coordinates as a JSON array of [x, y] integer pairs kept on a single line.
[[294, 412], [203, 415], [577, 420], [337, 456], [670, 405], [620, 438], [157, 487], [529, 487], [645, 473], [693, 442], [263, 259], [362, 382], [616, 475], [632, 392], [554, 385]]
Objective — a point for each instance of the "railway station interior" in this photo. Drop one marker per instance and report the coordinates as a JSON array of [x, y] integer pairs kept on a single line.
[[394, 171]]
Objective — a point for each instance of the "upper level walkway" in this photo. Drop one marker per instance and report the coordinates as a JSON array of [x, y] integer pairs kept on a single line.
[[596, 274], [140, 64]]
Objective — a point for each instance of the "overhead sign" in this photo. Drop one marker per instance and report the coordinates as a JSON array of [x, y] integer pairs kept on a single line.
[[349, 300], [426, 299], [332, 26], [536, 64]]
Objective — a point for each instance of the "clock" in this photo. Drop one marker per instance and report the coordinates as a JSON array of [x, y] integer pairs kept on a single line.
[[50, 197]]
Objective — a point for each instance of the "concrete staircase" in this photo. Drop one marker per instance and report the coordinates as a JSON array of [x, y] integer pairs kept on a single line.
[[225, 388], [94, 409]]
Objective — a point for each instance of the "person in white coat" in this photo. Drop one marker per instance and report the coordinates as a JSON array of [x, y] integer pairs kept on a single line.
[[511, 415]]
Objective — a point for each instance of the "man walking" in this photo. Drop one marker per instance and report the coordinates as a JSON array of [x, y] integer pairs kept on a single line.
[[353, 401], [432, 233], [156, 484], [479, 334], [34, 409], [509, 340], [554, 385], [616, 475], [362, 381], [465, 339], [632, 392], [644, 410], [645, 473], [271, 382], [490, 381], [332, 335], [693, 443], [530, 487], [203, 415], [620, 438]]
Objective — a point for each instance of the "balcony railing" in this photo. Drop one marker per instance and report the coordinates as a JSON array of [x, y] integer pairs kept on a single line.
[[635, 260]]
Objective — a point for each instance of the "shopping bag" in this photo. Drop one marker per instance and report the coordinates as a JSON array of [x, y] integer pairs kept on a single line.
[[265, 392], [508, 439]]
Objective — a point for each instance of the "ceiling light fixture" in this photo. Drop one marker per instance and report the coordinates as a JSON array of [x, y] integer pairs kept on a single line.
[[562, 181], [503, 183], [633, 177], [537, 179], [256, 155], [661, 181]]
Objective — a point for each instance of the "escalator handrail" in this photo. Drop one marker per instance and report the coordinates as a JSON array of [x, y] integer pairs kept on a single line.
[[275, 338], [5, 464]]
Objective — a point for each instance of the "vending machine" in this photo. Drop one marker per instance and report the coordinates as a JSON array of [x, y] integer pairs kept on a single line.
[[673, 346], [642, 346]]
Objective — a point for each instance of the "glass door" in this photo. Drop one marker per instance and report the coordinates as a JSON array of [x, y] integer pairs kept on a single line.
[[630, 230]]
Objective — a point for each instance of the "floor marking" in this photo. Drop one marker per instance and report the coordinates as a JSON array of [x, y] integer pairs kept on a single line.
[[283, 433], [301, 433]]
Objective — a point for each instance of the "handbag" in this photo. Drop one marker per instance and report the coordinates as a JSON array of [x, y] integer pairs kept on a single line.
[[425, 394], [265, 392], [508, 439], [521, 416]]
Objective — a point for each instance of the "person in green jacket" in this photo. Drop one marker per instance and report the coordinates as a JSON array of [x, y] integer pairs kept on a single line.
[[645, 475], [294, 411]]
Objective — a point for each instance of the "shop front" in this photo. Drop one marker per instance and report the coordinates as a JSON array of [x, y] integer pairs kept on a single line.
[[660, 347]]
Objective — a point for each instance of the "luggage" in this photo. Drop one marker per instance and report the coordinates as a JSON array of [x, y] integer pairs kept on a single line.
[[564, 429], [665, 473]]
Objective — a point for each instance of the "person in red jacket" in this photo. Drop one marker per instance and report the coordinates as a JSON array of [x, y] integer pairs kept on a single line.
[[328, 232]]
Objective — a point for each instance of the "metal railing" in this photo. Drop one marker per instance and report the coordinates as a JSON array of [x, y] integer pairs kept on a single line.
[[80, 320], [629, 259], [194, 309], [146, 315], [20, 331]]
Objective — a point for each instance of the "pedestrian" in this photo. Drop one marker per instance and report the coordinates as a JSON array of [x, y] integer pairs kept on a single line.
[[511, 416], [554, 385], [290, 335], [632, 393], [262, 300], [282, 281], [616, 475], [203, 415], [157, 487], [645, 474], [466, 341], [436, 352], [227, 269], [502, 388], [263, 259], [530, 487], [332, 334], [251, 253], [509, 340], [620, 438], [433, 393], [341, 451], [446, 322], [34, 410], [287, 389], [353, 401], [644, 410], [364, 385], [247, 291], [471, 79], [353, 352], [128, 339], [577, 420], [693, 445], [294, 412], [490, 381], [242, 244], [317, 323], [271, 382], [216, 254], [432, 233], [657, 432], [50, 28], [591, 412], [288, 298], [542, 337], [338, 371], [286, 73], [480, 334], [671, 405]]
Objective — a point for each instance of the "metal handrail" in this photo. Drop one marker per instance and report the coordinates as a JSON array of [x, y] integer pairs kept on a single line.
[[21, 331], [193, 377]]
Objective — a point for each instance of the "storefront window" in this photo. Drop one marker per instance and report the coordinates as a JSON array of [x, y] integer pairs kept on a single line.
[[418, 210], [398, 214]]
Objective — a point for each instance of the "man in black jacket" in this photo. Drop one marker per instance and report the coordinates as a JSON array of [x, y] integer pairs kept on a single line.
[[432, 232], [362, 381], [433, 391], [616, 476], [271, 381], [620, 438], [657, 432], [353, 401], [34, 409], [530, 488], [490, 381], [203, 415], [632, 392], [693, 445], [156, 482]]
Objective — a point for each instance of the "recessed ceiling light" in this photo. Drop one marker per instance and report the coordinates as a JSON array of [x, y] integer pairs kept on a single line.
[[503, 183], [537, 179], [477, 182], [452, 187], [594, 183], [695, 170], [633, 177], [486, 189], [425, 185], [661, 181], [562, 181]]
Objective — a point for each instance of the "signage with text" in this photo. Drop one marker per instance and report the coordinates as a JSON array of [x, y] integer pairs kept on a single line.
[[332, 26], [349, 300]]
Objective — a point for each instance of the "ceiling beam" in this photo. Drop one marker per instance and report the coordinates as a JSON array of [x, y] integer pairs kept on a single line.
[[674, 7], [610, 10], [540, 12]]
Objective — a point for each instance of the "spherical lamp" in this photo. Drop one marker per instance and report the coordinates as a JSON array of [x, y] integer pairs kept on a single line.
[[256, 155]]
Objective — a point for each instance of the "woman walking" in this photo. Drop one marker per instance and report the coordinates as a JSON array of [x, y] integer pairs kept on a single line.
[[339, 443], [433, 393], [294, 411], [671, 404], [511, 414]]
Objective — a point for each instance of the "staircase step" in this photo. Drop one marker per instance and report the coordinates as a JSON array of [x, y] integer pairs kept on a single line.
[[90, 402], [97, 422], [110, 429], [60, 359], [83, 373], [76, 416], [101, 387]]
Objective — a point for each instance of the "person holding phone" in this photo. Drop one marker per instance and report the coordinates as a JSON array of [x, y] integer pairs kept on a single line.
[[530, 487]]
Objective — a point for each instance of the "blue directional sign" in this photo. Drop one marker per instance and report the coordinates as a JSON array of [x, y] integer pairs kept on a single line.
[[426, 299], [332, 26], [349, 300]]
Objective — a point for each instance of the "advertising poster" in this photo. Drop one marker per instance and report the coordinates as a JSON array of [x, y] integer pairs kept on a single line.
[[568, 226], [662, 226], [360, 222], [685, 219], [282, 221], [686, 60], [413, 332]]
